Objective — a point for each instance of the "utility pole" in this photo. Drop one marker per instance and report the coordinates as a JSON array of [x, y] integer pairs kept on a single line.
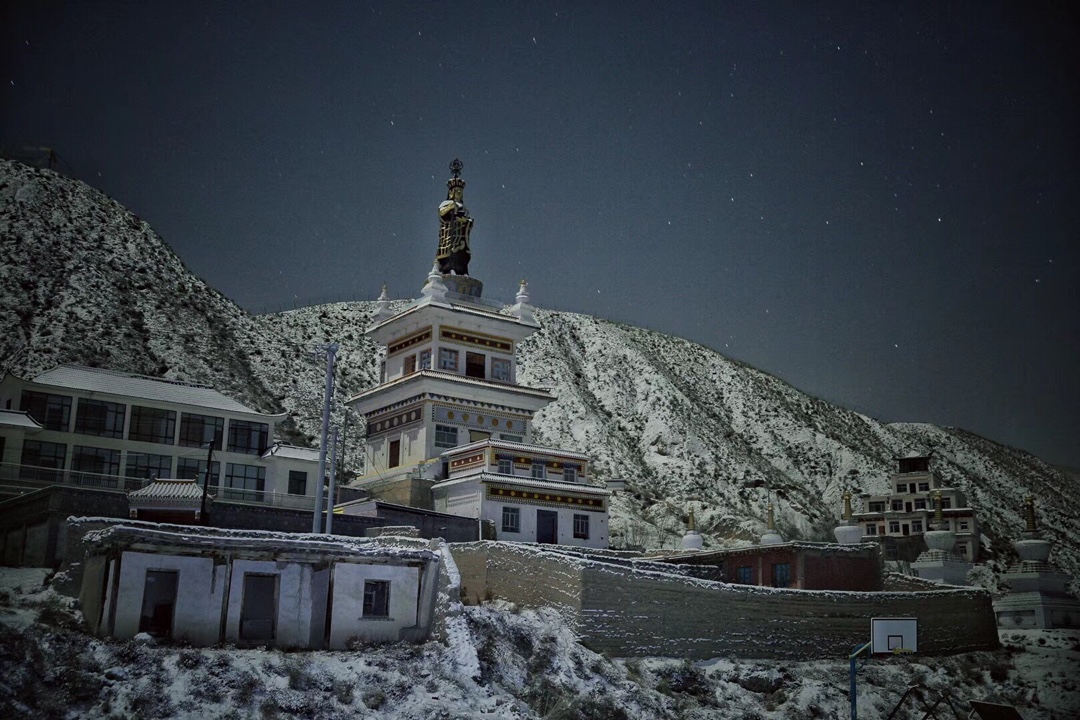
[[330, 503], [328, 398], [206, 479]]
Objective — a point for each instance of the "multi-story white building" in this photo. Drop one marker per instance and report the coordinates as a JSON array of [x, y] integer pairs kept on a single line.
[[101, 428], [449, 428], [907, 512]]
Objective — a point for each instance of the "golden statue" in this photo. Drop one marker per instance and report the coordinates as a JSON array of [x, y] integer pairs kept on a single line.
[[454, 226]]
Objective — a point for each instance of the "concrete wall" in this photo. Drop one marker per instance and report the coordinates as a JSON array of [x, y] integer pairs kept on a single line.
[[199, 591], [293, 622], [348, 615], [629, 612]]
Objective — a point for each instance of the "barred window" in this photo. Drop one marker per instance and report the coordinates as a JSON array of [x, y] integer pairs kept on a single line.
[[152, 425], [581, 527]]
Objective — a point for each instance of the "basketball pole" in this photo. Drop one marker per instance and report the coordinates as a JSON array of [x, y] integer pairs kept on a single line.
[[856, 651]]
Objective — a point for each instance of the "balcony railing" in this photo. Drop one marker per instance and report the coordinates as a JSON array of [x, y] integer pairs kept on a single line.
[[16, 478]]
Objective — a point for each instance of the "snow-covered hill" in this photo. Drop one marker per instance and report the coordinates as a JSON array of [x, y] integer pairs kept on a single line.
[[84, 280]]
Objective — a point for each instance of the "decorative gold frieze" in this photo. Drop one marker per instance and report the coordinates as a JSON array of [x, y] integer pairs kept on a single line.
[[419, 338], [461, 337], [548, 499]]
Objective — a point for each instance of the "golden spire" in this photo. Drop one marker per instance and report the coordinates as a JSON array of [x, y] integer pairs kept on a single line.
[[1029, 513], [847, 504], [939, 516], [772, 518], [691, 525]]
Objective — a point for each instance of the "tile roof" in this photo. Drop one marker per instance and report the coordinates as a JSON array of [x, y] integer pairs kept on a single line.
[[73, 377], [173, 492], [14, 418], [282, 450]]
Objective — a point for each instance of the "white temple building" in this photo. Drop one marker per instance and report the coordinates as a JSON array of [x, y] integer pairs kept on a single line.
[[449, 428]]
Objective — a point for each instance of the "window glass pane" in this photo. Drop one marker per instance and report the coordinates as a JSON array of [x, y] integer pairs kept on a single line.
[[448, 359], [781, 574], [51, 411], [297, 482], [581, 527], [145, 465], [376, 598], [96, 461], [539, 471], [42, 461], [569, 474], [198, 430], [500, 369], [410, 364], [511, 519], [506, 466], [445, 436], [745, 575], [474, 365], [97, 417], [511, 438], [244, 482], [195, 469], [152, 425], [425, 359], [248, 437]]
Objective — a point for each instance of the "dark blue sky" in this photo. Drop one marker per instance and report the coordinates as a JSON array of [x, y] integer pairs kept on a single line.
[[875, 202]]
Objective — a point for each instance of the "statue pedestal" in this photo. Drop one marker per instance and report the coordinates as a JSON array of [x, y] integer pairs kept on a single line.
[[463, 285]]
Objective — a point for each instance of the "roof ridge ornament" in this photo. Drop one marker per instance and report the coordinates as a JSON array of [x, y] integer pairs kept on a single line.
[[523, 310]]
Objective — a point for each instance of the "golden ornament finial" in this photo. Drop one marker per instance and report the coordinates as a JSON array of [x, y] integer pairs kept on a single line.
[[691, 525], [939, 516], [847, 504], [772, 518]]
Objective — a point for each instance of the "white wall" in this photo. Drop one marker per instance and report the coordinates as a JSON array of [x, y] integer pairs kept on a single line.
[[348, 604], [598, 524], [294, 602], [199, 591]]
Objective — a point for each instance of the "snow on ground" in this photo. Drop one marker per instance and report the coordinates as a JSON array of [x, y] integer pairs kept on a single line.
[[529, 662]]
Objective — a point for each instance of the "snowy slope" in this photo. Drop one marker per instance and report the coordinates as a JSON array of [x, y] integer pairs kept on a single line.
[[83, 280]]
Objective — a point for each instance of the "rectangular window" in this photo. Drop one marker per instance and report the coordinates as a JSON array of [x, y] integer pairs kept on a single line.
[[920, 504], [393, 454], [569, 474], [946, 503], [539, 471], [916, 526], [248, 437], [506, 466], [244, 482], [97, 417], [961, 549], [924, 487], [194, 469], [963, 524], [877, 506], [445, 436], [258, 610], [376, 598], [198, 430], [52, 411], [94, 462], [744, 575], [145, 465], [425, 359], [475, 365], [42, 461], [511, 520], [898, 505], [410, 364], [297, 482], [500, 369], [901, 487], [511, 438], [871, 529], [159, 599], [152, 425], [581, 527], [781, 575], [448, 359], [894, 526]]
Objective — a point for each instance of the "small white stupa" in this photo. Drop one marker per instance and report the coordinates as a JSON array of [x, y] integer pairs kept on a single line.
[[523, 310], [771, 536], [383, 310], [1038, 591], [848, 532], [938, 563], [692, 540]]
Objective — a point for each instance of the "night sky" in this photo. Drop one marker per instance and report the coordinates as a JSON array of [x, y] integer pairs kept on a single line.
[[875, 202]]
